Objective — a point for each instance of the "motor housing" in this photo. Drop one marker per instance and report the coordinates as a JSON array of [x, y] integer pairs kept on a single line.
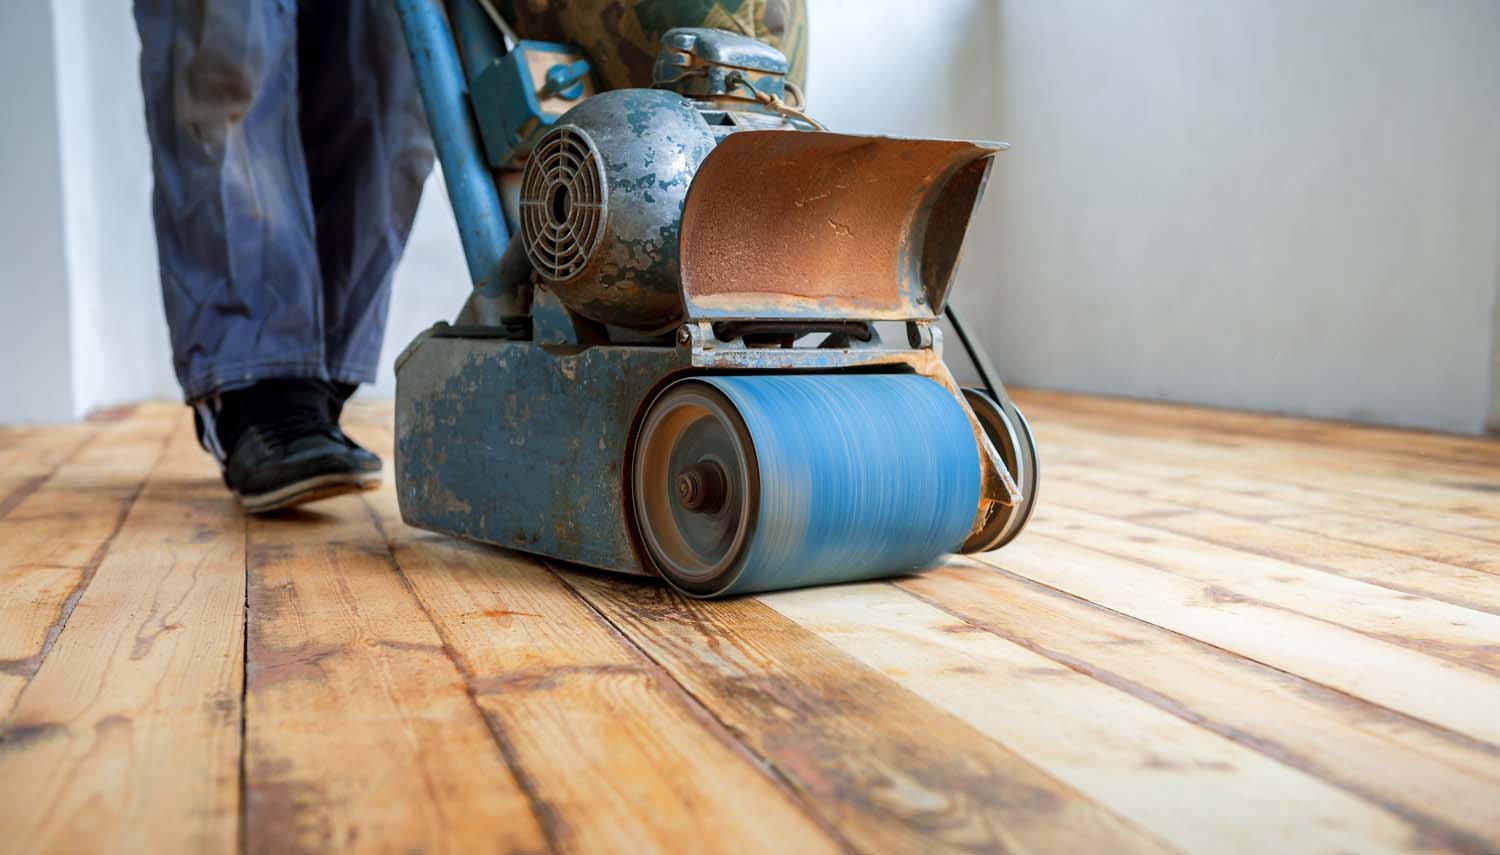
[[601, 205]]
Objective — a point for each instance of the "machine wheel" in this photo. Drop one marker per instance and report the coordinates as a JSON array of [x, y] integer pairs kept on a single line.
[[694, 485], [754, 483], [1011, 434]]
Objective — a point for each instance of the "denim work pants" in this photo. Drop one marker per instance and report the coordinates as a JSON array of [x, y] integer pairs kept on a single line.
[[289, 150]]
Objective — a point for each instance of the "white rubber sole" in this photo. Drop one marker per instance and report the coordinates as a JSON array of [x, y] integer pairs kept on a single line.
[[309, 490]]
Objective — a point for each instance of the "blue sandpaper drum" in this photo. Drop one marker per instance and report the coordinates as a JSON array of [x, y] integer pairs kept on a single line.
[[761, 482]]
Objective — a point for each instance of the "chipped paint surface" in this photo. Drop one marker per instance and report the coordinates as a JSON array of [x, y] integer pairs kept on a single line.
[[524, 446], [510, 444], [651, 143]]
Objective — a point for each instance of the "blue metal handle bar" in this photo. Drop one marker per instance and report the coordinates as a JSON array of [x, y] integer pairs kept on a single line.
[[471, 187]]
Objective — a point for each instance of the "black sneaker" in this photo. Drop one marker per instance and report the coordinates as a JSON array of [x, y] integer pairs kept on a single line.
[[280, 447], [339, 394]]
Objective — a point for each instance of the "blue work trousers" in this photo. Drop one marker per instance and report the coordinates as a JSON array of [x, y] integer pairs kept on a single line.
[[289, 149]]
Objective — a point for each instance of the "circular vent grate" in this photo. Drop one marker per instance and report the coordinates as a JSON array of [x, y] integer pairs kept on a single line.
[[563, 199]]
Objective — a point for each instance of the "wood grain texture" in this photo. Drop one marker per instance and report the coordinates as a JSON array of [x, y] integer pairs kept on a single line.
[[28, 456], [52, 539], [615, 755], [1462, 634], [1455, 567], [360, 732], [1165, 773], [1448, 787], [890, 771], [1397, 443], [1432, 688], [1223, 633], [1256, 494], [127, 739]]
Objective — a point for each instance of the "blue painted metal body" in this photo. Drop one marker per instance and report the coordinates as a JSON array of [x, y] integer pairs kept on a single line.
[[471, 187], [525, 445], [713, 64], [515, 107]]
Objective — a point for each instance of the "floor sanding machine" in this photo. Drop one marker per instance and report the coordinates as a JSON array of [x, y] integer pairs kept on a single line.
[[707, 347]]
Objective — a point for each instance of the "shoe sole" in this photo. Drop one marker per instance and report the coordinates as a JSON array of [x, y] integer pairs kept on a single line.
[[309, 490]]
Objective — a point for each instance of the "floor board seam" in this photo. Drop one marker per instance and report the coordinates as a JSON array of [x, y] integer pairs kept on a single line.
[[1299, 507], [1267, 748], [1457, 737], [721, 729], [70, 602], [1145, 520], [21, 493], [243, 837], [547, 819], [1493, 672]]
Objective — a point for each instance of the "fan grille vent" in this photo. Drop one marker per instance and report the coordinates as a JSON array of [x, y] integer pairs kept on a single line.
[[563, 203]]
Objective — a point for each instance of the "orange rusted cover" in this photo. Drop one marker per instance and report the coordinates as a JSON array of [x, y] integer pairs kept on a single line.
[[800, 225]]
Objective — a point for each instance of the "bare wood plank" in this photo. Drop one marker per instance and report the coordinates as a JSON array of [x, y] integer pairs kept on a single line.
[[1134, 499], [1443, 547], [1195, 789], [1436, 690], [1391, 441], [1433, 626], [55, 537], [29, 456], [128, 736], [889, 770], [1251, 497], [360, 735], [1472, 494], [617, 757], [1444, 785], [1254, 497]]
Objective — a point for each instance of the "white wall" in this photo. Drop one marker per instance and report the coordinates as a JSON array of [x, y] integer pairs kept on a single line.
[[35, 381], [120, 348], [1272, 204]]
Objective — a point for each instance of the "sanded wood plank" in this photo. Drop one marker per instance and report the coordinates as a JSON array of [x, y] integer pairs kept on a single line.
[[617, 757], [52, 540], [127, 739], [1194, 788], [1254, 497], [360, 735], [1473, 494], [1282, 539], [1433, 626], [1446, 786], [1437, 690], [29, 456], [1239, 496], [599, 733], [1444, 547], [890, 771], [1126, 414]]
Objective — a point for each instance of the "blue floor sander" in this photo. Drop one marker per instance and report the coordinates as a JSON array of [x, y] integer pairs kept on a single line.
[[703, 339]]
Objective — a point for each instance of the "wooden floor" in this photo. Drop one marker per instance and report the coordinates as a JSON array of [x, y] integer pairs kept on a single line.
[[1221, 633]]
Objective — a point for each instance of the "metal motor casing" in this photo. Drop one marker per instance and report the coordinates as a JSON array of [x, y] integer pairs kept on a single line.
[[601, 205]]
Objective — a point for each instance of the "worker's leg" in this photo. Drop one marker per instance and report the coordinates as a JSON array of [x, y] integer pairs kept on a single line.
[[368, 154], [239, 264], [234, 227]]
